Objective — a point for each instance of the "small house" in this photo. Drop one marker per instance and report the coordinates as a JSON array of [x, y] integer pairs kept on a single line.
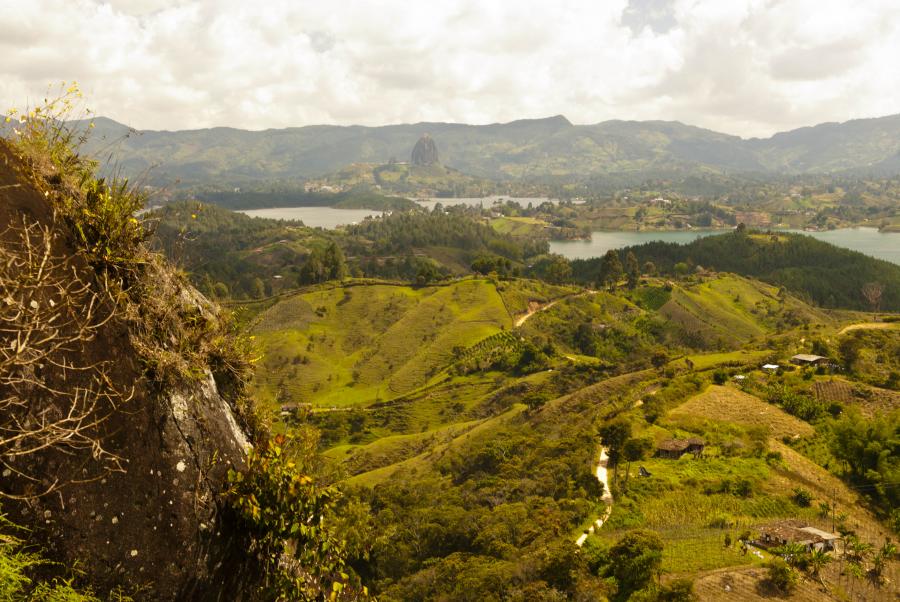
[[806, 359], [675, 448], [771, 368], [795, 532]]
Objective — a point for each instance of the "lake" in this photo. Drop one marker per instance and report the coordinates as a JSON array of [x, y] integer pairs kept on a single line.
[[315, 217], [883, 245], [329, 217]]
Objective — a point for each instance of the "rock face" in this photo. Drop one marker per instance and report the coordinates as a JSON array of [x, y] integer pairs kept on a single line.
[[158, 523], [425, 152]]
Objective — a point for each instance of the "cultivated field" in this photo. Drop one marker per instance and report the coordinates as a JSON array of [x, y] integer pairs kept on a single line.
[[728, 404]]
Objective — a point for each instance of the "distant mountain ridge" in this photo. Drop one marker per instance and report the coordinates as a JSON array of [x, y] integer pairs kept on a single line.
[[530, 148]]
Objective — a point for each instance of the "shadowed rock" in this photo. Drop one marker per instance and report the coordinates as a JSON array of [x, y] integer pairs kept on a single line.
[[425, 152]]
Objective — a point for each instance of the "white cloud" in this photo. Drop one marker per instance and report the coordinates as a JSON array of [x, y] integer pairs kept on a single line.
[[749, 67]]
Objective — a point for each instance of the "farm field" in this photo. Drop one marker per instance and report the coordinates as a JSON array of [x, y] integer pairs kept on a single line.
[[728, 404]]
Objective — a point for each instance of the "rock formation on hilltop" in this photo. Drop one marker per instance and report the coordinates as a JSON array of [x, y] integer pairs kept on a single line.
[[425, 152]]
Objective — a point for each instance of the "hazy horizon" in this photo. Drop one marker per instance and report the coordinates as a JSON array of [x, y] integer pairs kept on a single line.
[[747, 68], [494, 123]]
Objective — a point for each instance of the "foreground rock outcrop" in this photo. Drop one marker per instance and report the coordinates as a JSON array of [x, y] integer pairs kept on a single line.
[[141, 509]]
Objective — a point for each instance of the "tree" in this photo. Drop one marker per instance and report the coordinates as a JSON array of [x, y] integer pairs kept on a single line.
[[614, 435], [880, 559], [872, 292], [802, 497], [634, 450], [314, 270], [632, 269], [793, 553], [554, 269], [659, 358], [650, 268], [850, 348], [634, 561], [334, 263], [816, 561], [258, 290], [610, 269]]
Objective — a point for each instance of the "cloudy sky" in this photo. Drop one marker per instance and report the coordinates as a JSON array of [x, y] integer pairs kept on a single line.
[[747, 67]]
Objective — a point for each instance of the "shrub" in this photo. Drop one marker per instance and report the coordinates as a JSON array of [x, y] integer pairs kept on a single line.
[[780, 576], [802, 497], [283, 512]]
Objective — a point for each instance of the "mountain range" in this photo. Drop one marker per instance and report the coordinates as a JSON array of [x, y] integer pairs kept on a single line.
[[531, 149]]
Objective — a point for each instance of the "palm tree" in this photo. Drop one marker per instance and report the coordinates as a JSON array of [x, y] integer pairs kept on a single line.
[[855, 570], [857, 551], [816, 561], [880, 559], [793, 553]]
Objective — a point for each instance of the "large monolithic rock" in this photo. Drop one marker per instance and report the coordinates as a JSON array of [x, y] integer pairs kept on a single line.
[[155, 523], [425, 152]]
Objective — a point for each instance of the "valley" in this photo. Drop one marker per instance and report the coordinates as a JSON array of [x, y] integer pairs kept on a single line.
[[472, 416]]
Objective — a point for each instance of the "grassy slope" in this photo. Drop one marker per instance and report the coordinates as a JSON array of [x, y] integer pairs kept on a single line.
[[731, 309], [727, 404], [425, 460], [347, 346]]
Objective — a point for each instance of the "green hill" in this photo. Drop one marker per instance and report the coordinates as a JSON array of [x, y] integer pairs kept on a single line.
[[349, 345], [822, 273]]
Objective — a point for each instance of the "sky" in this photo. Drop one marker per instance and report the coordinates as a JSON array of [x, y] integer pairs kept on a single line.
[[745, 67]]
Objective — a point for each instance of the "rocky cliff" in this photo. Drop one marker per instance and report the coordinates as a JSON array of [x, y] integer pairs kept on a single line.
[[120, 461]]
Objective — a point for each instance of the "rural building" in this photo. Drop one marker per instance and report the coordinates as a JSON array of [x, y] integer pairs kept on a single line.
[[770, 367], [795, 531], [675, 448], [806, 359]]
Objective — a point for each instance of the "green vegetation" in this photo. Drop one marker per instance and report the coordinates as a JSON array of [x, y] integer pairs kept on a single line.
[[827, 275], [346, 345], [23, 573], [229, 255], [288, 522]]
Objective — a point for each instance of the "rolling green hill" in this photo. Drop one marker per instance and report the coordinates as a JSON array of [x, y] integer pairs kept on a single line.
[[349, 345]]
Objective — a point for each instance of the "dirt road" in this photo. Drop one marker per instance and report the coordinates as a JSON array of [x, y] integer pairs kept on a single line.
[[603, 477]]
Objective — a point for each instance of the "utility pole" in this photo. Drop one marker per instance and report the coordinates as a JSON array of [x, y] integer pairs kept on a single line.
[[833, 508]]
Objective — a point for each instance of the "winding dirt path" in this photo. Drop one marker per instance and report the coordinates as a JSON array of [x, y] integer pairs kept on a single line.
[[869, 326], [545, 306], [534, 310], [603, 477]]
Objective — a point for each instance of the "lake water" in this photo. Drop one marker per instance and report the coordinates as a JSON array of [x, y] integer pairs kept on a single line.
[[329, 217], [883, 245], [315, 217]]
